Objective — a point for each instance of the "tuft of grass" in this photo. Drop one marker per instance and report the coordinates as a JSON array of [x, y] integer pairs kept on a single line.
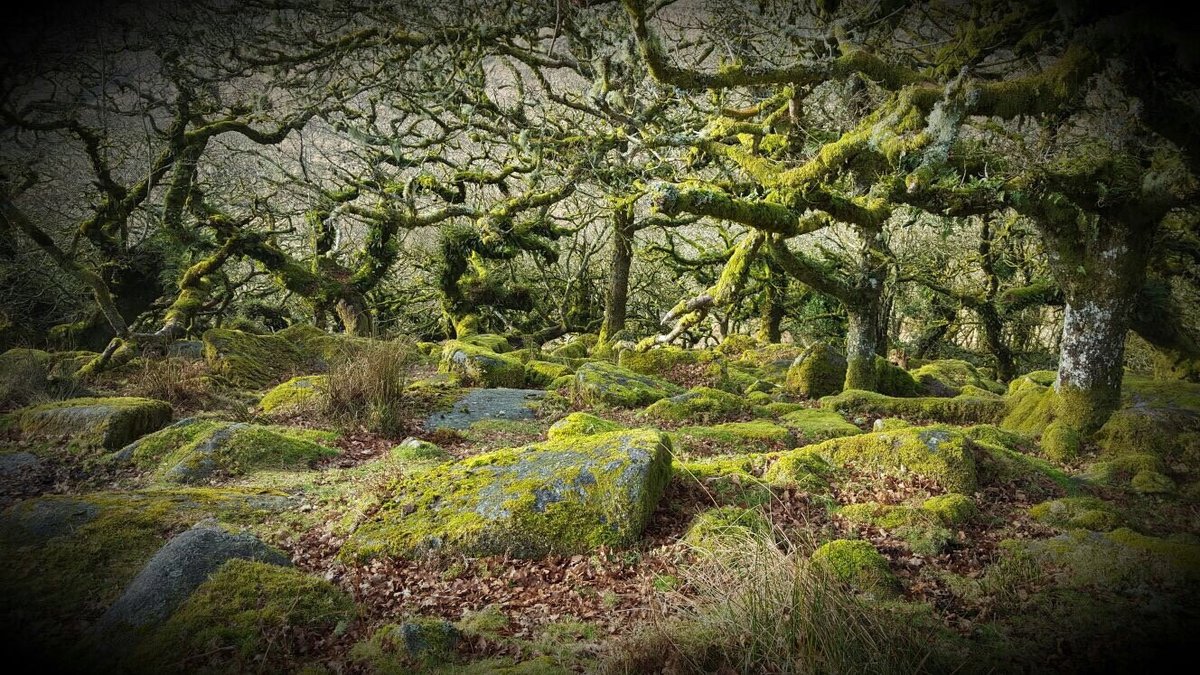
[[184, 383], [366, 387], [748, 606]]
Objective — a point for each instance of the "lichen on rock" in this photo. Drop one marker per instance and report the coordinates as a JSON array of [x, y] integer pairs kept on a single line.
[[599, 382], [108, 423]]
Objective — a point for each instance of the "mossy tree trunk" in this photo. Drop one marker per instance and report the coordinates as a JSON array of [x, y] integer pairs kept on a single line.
[[861, 345], [773, 308], [617, 299]]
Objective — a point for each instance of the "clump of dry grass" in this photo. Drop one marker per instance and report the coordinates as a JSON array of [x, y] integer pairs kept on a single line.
[[367, 387], [183, 383], [749, 606]]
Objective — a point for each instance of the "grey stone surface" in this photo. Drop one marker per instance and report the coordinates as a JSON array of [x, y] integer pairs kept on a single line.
[[486, 404], [16, 462], [39, 520]]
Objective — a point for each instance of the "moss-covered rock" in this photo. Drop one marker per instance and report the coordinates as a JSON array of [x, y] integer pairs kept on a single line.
[[920, 530], [813, 426], [297, 394], [195, 450], [94, 422], [1152, 483], [892, 380], [725, 525], [415, 645], [1088, 513], [819, 371], [599, 382], [858, 564], [958, 410], [736, 344], [248, 616], [580, 424], [481, 366], [948, 377], [577, 347], [940, 453], [1003, 457], [657, 361], [417, 450], [255, 361], [566, 496], [803, 468], [1117, 560], [733, 437], [544, 373], [488, 341], [951, 509], [699, 403]]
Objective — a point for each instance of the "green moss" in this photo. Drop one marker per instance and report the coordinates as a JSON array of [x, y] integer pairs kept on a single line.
[[1088, 513], [297, 394], [254, 361], [1060, 442], [1122, 468], [416, 450], [569, 495], [741, 467], [575, 349], [958, 410], [971, 391], [949, 377], [27, 375], [940, 453], [1000, 460], [656, 361], [1031, 408], [492, 343], [951, 509], [65, 558], [736, 344], [804, 468], [858, 564], [1152, 483], [1121, 560], [94, 422], [725, 525], [700, 404], [599, 382], [195, 450], [884, 515], [580, 424], [819, 371], [480, 366], [732, 437], [812, 426], [545, 373], [416, 645], [892, 380], [247, 616]]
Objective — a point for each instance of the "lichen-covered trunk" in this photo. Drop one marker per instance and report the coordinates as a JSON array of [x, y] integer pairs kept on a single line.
[[617, 299], [352, 312], [993, 336], [769, 329], [862, 334], [1101, 279]]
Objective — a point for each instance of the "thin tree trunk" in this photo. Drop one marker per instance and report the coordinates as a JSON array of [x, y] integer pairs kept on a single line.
[[617, 300]]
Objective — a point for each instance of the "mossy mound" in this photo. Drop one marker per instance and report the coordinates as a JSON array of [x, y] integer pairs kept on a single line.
[[599, 382], [1002, 457], [725, 525], [892, 380], [736, 344], [702, 404], [958, 410], [544, 373], [580, 424], [108, 423], [416, 450], [480, 366], [951, 509], [1088, 513], [803, 468], [657, 361], [565, 496], [577, 347], [1060, 442], [65, 559], [859, 565], [255, 361], [415, 645], [297, 394], [196, 450], [491, 342], [1152, 483], [948, 377], [920, 530], [813, 426], [819, 371], [1118, 560], [940, 453], [249, 616], [733, 437]]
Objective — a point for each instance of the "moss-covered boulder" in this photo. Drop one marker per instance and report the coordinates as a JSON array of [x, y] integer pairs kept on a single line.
[[859, 565], [481, 366], [942, 454], [580, 424], [957, 410], [295, 395], [921, 531], [255, 361], [701, 404], [544, 373], [803, 468], [108, 423], [732, 437], [599, 382], [726, 526], [565, 496], [812, 426], [657, 361], [819, 371], [1087, 513], [892, 380], [577, 347], [196, 450], [417, 450], [249, 616], [488, 341], [1118, 560], [948, 377], [951, 509], [1060, 442], [418, 644]]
